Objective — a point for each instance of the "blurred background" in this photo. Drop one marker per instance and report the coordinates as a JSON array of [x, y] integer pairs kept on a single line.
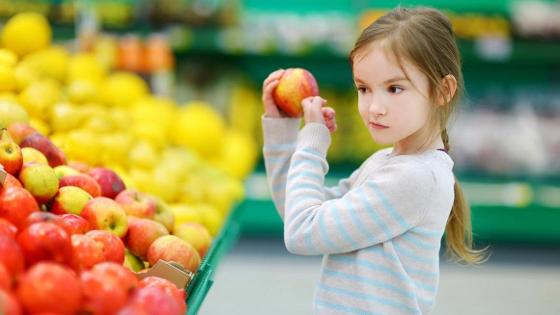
[[505, 139]]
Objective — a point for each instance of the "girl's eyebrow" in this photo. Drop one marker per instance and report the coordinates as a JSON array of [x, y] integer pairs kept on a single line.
[[394, 79]]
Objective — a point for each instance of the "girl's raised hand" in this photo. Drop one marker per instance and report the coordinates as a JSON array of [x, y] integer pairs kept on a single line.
[[314, 110], [269, 84]]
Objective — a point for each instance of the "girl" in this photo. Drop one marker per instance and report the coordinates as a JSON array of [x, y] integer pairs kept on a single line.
[[380, 229]]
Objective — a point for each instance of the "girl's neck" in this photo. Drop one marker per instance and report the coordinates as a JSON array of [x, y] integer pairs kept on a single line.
[[416, 145]]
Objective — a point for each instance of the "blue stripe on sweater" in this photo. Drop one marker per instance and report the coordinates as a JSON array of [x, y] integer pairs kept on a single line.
[[412, 256], [368, 298], [389, 206], [374, 215], [324, 233], [357, 222], [342, 308], [409, 270], [341, 228], [298, 162], [313, 152], [418, 242], [280, 146], [306, 174]]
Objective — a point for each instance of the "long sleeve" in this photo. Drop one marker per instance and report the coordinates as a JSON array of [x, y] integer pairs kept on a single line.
[[280, 136], [392, 200]]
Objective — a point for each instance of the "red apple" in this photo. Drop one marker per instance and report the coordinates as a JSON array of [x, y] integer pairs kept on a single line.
[[10, 154], [111, 184], [73, 224], [197, 235], [11, 256], [141, 234], [81, 167], [9, 304], [113, 247], [40, 216], [31, 155], [10, 182], [169, 287], [70, 199], [172, 248], [82, 181], [106, 288], [133, 310], [164, 215], [7, 228], [65, 170], [40, 180], [86, 252], [136, 203], [16, 204], [106, 214], [45, 241], [20, 130], [54, 155], [295, 85], [50, 287], [156, 301], [5, 280]]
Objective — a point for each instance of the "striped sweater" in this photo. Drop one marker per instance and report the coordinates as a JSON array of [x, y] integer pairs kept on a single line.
[[379, 230]]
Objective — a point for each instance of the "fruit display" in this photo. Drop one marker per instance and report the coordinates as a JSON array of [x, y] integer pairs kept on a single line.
[[103, 179]]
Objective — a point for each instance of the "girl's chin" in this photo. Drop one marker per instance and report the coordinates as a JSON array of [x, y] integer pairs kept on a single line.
[[380, 139]]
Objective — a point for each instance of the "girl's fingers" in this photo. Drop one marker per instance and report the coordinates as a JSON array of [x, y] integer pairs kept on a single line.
[[276, 75]]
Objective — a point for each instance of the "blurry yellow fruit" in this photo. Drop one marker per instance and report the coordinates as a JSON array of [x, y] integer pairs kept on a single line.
[[85, 66], [10, 97], [185, 214], [82, 91], [178, 161], [65, 117], [51, 62], [26, 32], [125, 176], [120, 118], [123, 89], [158, 110], [116, 147], [11, 112], [239, 154], [40, 126], [201, 128], [223, 193], [143, 155], [153, 133], [142, 178], [164, 186], [211, 218], [193, 190], [33, 155], [24, 75], [59, 139], [8, 57], [39, 96], [83, 145], [7, 78]]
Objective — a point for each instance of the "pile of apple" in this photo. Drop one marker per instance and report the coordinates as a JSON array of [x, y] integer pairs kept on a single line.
[[71, 236]]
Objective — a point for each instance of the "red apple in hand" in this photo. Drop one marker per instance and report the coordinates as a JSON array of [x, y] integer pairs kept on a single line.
[[70, 199], [10, 153], [45, 241], [111, 184], [54, 155], [106, 214], [16, 204], [82, 181], [73, 224], [295, 85], [141, 234], [40, 180], [112, 246], [136, 203], [9, 304], [11, 256], [86, 252], [172, 248], [50, 287]]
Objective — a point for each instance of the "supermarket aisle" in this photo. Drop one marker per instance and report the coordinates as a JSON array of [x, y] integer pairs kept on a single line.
[[260, 277]]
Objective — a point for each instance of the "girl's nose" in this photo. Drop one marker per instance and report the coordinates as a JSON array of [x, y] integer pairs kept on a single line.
[[377, 109]]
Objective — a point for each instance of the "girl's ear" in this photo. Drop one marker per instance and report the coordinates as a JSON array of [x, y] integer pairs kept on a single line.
[[448, 89]]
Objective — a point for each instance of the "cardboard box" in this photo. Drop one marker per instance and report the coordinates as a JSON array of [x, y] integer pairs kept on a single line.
[[171, 271], [3, 175]]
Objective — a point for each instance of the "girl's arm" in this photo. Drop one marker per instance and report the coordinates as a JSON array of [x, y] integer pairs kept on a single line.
[[390, 202]]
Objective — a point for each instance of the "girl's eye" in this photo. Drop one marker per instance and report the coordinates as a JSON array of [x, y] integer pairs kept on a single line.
[[362, 90], [395, 89]]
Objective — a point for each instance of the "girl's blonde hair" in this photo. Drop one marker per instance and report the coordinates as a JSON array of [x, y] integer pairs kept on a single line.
[[424, 37]]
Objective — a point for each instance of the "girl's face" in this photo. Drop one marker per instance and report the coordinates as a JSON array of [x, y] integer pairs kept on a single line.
[[394, 109]]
